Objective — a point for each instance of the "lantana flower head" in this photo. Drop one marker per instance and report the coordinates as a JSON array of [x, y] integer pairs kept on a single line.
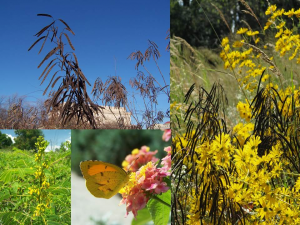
[[147, 181], [138, 158]]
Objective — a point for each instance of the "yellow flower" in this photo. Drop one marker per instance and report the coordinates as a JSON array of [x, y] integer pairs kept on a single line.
[[241, 158], [237, 44], [251, 33], [225, 41], [271, 9], [288, 32], [265, 77], [221, 143], [290, 13], [234, 189], [280, 25], [277, 13], [297, 13], [279, 33], [226, 48], [268, 24], [244, 110], [242, 30]]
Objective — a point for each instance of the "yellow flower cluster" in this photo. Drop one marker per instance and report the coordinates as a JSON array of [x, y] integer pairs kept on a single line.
[[243, 59], [244, 110], [251, 185], [288, 42], [242, 132], [288, 99]]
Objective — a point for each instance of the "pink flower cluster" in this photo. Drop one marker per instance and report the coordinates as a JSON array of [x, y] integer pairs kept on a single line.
[[147, 181], [139, 158]]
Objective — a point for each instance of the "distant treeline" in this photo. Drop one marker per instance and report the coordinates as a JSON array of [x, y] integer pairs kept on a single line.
[[189, 22]]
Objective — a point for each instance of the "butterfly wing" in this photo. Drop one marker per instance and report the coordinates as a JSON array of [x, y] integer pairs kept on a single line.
[[103, 180]]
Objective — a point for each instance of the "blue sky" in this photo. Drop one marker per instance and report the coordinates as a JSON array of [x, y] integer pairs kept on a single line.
[[55, 137], [106, 32]]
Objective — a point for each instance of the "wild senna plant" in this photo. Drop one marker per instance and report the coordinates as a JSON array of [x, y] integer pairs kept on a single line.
[[39, 190]]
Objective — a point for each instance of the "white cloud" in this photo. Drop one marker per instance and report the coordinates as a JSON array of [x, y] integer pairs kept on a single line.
[[12, 138], [51, 148]]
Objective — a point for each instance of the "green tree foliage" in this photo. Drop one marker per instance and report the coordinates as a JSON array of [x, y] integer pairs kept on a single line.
[[64, 146], [26, 139], [189, 22], [5, 141]]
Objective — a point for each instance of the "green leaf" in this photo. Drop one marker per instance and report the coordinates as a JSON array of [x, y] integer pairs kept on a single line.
[[10, 175], [4, 195], [160, 212], [143, 216]]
